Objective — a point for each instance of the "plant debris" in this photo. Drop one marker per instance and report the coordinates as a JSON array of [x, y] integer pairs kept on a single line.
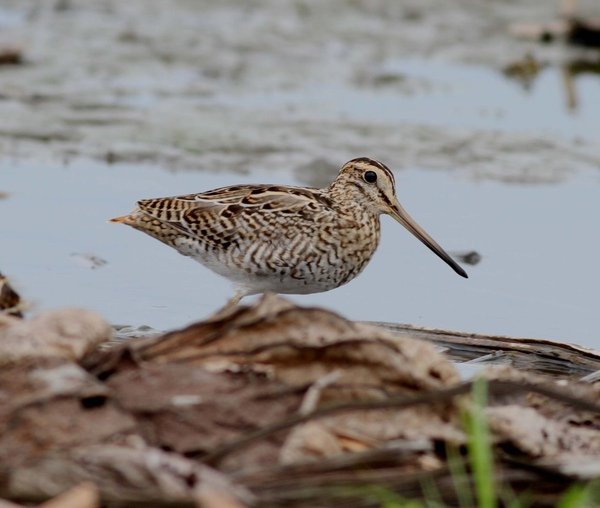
[[88, 260], [10, 301], [269, 404], [11, 55]]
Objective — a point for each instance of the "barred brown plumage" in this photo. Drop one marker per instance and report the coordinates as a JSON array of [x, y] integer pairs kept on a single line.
[[283, 239]]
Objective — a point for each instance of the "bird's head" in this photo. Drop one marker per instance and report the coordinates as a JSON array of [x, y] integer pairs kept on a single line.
[[371, 185]]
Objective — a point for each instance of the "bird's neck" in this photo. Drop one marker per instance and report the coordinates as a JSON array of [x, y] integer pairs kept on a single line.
[[348, 198]]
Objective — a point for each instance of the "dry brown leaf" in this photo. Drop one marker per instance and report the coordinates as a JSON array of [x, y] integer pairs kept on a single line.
[[299, 346], [10, 301], [8, 504], [50, 404], [124, 473], [260, 360], [190, 410], [84, 495], [66, 333], [548, 407], [538, 436], [210, 497], [553, 433], [361, 430], [251, 390]]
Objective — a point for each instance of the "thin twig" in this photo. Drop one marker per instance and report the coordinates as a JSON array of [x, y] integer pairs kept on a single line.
[[313, 394]]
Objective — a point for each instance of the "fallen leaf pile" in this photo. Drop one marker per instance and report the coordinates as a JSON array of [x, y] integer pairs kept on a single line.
[[268, 404]]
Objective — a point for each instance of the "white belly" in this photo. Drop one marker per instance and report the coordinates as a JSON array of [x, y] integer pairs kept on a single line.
[[276, 271]]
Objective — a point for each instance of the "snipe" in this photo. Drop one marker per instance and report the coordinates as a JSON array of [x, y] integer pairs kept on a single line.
[[283, 239]]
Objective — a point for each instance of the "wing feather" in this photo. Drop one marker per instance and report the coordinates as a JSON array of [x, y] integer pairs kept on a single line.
[[217, 216]]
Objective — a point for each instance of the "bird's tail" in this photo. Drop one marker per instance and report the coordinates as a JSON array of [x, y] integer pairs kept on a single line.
[[124, 219]]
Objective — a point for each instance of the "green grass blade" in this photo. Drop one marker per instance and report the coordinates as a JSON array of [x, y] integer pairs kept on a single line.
[[389, 499], [460, 478], [581, 496], [480, 447]]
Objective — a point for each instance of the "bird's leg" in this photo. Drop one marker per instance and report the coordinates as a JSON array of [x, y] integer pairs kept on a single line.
[[235, 299], [230, 305]]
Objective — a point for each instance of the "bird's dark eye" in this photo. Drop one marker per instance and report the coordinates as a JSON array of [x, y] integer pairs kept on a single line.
[[370, 176]]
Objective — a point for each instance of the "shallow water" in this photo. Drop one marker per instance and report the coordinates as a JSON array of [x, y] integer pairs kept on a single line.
[[445, 94], [538, 275], [276, 92]]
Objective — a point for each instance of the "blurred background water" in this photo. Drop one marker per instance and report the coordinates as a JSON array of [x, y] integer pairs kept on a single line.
[[494, 142]]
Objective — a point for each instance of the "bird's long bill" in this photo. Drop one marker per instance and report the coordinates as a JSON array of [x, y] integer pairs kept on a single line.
[[402, 216]]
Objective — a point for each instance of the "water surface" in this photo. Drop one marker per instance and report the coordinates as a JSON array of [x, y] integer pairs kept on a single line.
[[538, 275], [136, 100]]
